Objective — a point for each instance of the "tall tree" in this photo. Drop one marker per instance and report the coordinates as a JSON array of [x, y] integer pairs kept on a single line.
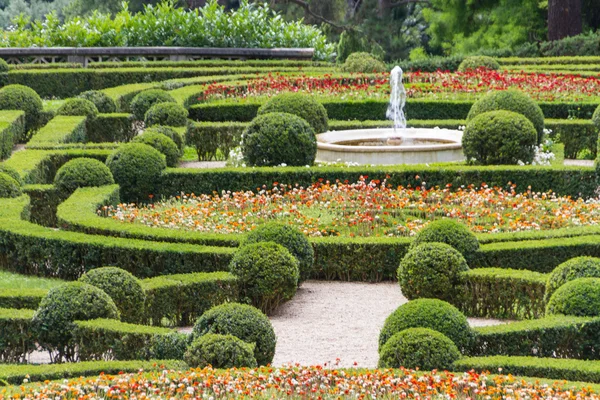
[[564, 18]]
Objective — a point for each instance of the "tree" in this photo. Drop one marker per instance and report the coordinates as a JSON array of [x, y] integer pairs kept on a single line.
[[564, 18]]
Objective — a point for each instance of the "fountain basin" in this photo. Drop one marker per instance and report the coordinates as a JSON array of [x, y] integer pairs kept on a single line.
[[388, 147]]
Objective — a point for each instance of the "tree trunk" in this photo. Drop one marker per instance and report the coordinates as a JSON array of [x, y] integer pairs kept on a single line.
[[564, 18]]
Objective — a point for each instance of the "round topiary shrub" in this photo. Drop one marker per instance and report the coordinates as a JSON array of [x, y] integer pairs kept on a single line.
[[290, 238], [122, 287], [432, 270], [474, 62], [363, 62], [575, 268], [450, 232], [279, 138], [171, 134], [511, 100], [499, 137], [82, 172], [580, 297], [11, 172], [143, 101], [101, 100], [242, 321], [74, 301], [220, 351], [170, 114], [268, 274], [421, 348], [78, 106], [9, 187], [19, 97], [428, 313], [161, 143], [136, 167], [302, 105]]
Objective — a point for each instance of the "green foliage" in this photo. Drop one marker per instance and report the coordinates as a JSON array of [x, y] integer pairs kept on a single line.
[[103, 103], [12, 129], [421, 348], [82, 172], [474, 62], [171, 346], [18, 338], [110, 128], [161, 143], [3, 66], [61, 129], [220, 351], [579, 297], [207, 138], [171, 133], [170, 114], [143, 101], [596, 117], [279, 138], [19, 97], [10, 171], [242, 321], [450, 232], [122, 287], [575, 268], [363, 62], [268, 274], [432, 270], [302, 105], [428, 313], [499, 137], [78, 106], [8, 186], [350, 42]]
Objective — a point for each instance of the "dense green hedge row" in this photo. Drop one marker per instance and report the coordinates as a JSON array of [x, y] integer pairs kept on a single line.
[[12, 128], [61, 129], [17, 338], [21, 298], [43, 201], [117, 127]]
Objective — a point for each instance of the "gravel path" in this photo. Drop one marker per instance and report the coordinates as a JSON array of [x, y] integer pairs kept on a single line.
[[579, 163], [202, 164]]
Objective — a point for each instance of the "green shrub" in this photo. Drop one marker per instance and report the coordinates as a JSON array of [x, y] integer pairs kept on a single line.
[[303, 105], [511, 100], [104, 103], [499, 137], [136, 167], [242, 321], [161, 143], [143, 101], [8, 186], [421, 348], [596, 117], [62, 306], [575, 268], [290, 238], [580, 297], [78, 106], [82, 172], [363, 62], [475, 62], [450, 232], [268, 274], [428, 313], [171, 346], [13, 173], [18, 339], [19, 97], [3, 66], [220, 351], [122, 287], [170, 114], [432, 270], [279, 138], [171, 133]]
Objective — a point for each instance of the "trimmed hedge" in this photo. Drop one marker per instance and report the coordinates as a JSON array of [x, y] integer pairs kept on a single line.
[[12, 129], [110, 128], [61, 129], [209, 137], [22, 298], [18, 337]]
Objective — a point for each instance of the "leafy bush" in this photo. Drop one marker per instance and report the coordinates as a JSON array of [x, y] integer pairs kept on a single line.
[[421, 348], [363, 62], [82, 172], [302, 105], [432, 270], [450, 232], [499, 137], [78, 106], [511, 100], [580, 297], [74, 301], [103, 102], [136, 167], [171, 346], [268, 274], [242, 321], [161, 143], [290, 238], [3, 66], [122, 287], [171, 133], [220, 351], [596, 117], [279, 138], [19, 97], [575, 268], [13, 173], [170, 114], [143, 101], [8, 186], [475, 62], [428, 313]]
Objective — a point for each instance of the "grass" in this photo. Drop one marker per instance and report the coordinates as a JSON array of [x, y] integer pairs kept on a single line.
[[10, 280]]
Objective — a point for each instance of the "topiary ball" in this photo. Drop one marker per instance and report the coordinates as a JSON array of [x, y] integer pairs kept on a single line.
[[171, 133], [73, 301], [511, 100], [19, 97], [421, 348], [143, 101], [575, 268], [122, 287], [268, 274], [580, 297], [433, 270], [450, 232], [13, 173], [363, 62], [136, 167], [78, 106], [499, 137], [428, 313], [220, 351], [302, 105], [279, 138], [103, 102], [474, 62], [290, 238], [82, 172], [242, 321], [9, 187], [161, 143], [170, 114]]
